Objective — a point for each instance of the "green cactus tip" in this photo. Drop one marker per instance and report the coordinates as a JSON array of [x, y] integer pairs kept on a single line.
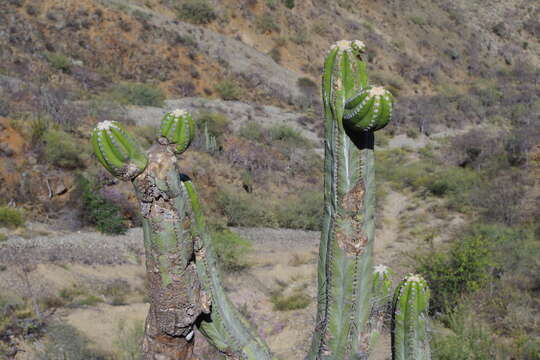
[[117, 151], [382, 280], [369, 109], [178, 128], [410, 324]]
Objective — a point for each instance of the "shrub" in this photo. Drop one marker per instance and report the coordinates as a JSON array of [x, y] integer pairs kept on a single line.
[[98, 210], [231, 249], [58, 61], [216, 123], [61, 150], [242, 209], [228, 90], [289, 3], [38, 129], [298, 300], [305, 212], [197, 12], [465, 268], [128, 342], [266, 24], [137, 94], [289, 136], [468, 340], [275, 54], [252, 131], [11, 217], [418, 20], [90, 300]]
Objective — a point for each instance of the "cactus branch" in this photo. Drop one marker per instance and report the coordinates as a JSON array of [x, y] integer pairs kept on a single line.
[[410, 321]]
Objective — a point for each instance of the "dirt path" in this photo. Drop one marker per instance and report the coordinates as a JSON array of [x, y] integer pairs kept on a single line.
[[387, 232]]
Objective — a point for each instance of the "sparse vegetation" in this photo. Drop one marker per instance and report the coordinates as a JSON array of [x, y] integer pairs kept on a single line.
[[196, 11], [58, 61], [61, 149], [228, 90], [66, 342], [11, 217], [231, 249], [137, 94], [298, 300], [266, 24], [128, 342], [98, 210]]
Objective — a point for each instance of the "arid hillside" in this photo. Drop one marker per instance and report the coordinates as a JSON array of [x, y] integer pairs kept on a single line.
[[458, 168]]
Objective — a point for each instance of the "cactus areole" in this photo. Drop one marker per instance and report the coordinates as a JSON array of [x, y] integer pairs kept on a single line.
[[187, 299]]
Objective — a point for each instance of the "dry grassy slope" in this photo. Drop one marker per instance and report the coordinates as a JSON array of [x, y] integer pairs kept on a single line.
[[407, 41]]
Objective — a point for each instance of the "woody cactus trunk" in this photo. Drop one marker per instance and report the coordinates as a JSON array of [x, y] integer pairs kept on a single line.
[[187, 299]]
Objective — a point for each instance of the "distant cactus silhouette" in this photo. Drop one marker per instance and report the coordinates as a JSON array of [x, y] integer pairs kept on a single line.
[[184, 283]]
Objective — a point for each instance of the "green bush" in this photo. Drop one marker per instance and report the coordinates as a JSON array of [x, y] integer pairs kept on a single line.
[[58, 61], [98, 210], [298, 300], [305, 213], [289, 136], [38, 129], [289, 3], [231, 249], [241, 209], [266, 23], [11, 217], [62, 150], [196, 11], [228, 90], [252, 131], [465, 340], [217, 123], [463, 269], [137, 94]]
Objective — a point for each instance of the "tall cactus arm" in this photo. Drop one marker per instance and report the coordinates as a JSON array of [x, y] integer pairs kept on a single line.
[[410, 321], [224, 326], [345, 253]]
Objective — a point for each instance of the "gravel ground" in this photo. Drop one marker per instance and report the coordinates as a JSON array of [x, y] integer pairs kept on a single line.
[[93, 248], [79, 247]]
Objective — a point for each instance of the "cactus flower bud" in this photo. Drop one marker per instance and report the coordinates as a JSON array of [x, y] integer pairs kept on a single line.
[[369, 109], [178, 128], [117, 151], [382, 280]]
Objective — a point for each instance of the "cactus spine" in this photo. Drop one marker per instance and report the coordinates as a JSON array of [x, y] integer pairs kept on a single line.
[[410, 337]]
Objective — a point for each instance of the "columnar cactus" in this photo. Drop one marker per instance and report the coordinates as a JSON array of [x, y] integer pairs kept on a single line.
[[185, 289], [410, 337], [345, 254], [184, 284]]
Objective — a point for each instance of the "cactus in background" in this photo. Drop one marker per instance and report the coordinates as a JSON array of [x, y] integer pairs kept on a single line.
[[184, 283], [410, 337], [210, 142]]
